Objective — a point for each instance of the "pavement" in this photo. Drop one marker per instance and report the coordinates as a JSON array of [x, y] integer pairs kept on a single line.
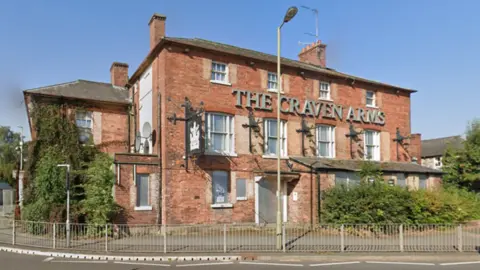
[[12, 261]]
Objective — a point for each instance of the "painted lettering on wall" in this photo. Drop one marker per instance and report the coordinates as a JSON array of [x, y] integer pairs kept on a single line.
[[318, 109]]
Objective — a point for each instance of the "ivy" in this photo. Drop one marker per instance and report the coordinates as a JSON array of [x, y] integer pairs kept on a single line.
[[91, 176]]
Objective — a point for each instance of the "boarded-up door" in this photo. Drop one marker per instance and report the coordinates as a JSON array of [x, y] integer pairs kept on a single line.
[[267, 201]]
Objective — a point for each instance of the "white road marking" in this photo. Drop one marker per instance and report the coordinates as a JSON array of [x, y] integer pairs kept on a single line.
[[86, 261], [273, 264], [459, 263], [139, 263], [48, 259], [403, 263], [202, 264], [335, 263]]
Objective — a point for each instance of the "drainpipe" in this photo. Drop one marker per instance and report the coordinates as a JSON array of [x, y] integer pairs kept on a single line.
[[159, 144]]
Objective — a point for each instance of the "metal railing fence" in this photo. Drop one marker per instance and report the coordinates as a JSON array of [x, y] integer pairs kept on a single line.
[[235, 238]]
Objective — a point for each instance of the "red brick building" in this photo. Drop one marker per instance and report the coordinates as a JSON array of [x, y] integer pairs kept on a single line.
[[331, 122]]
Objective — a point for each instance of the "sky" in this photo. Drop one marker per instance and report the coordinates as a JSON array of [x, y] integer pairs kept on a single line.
[[427, 45]]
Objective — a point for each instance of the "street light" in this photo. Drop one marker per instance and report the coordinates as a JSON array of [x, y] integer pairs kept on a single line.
[[68, 201], [291, 12]]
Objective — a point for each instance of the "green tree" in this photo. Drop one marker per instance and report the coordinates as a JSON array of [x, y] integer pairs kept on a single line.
[[9, 154], [99, 204], [462, 166]]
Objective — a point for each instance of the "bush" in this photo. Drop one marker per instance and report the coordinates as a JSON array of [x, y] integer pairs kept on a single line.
[[384, 204]]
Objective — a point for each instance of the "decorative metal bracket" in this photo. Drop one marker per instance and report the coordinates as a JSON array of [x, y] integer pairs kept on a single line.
[[305, 130], [252, 125], [189, 114], [399, 140], [352, 134]]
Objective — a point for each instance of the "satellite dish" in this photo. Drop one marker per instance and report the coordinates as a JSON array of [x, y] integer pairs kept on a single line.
[[147, 129], [138, 142]]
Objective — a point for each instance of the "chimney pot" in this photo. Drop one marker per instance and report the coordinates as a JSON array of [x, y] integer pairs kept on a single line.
[[157, 29], [119, 74]]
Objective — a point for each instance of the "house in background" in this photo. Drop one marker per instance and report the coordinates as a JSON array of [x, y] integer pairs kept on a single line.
[[433, 150]]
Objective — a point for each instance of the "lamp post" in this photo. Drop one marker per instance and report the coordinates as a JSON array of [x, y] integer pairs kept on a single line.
[[291, 12], [68, 201], [20, 180]]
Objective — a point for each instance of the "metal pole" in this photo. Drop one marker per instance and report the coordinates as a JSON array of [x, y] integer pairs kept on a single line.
[[21, 148], [224, 238], [401, 237], [13, 232], [284, 234], [460, 238], [106, 237], [342, 238], [54, 235], [164, 238], [68, 206], [279, 202]]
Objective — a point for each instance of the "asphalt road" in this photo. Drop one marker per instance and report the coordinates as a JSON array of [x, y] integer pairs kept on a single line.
[[11, 261]]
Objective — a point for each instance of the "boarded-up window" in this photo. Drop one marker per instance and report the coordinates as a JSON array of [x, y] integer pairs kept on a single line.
[[241, 187], [142, 190]]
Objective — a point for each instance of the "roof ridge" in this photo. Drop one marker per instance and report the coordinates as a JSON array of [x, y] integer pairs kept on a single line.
[[49, 86], [443, 138]]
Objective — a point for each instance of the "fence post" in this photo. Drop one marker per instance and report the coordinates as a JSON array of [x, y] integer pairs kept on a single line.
[[13, 233], [284, 237], [106, 237], [164, 238], [460, 238], [400, 232], [224, 238], [54, 235], [342, 238]]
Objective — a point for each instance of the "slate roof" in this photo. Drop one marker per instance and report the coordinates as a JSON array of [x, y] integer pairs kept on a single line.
[[355, 165], [83, 89], [254, 55], [4, 185], [437, 147]]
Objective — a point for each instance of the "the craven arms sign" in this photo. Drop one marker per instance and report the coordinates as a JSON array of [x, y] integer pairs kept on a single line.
[[263, 101]]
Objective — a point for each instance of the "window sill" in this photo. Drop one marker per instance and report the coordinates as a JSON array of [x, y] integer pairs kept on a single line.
[[326, 99], [326, 157], [274, 157], [275, 91], [143, 208], [222, 205], [220, 82], [241, 198], [372, 106], [221, 154]]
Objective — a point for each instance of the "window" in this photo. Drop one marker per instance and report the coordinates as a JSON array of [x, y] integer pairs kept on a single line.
[[220, 187], [142, 182], [219, 133], [83, 120], [272, 83], [371, 99], [219, 72], [241, 187], [401, 180], [326, 141], [372, 145], [271, 137], [347, 178], [422, 181], [437, 162], [324, 90]]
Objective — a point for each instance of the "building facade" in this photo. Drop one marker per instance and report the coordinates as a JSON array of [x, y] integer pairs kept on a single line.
[[434, 149], [330, 124]]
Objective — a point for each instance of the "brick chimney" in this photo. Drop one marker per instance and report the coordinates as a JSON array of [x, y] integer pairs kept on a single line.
[[314, 54], [157, 29], [119, 74], [415, 147]]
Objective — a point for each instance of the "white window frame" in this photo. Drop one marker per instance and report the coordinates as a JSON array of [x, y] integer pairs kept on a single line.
[[373, 99], [84, 116], [241, 198], [331, 142], [349, 179], [376, 145], [147, 207], [226, 203], [226, 73], [230, 134], [328, 91], [283, 136], [269, 89]]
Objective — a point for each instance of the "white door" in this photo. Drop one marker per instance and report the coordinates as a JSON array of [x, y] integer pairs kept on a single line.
[[266, 201]]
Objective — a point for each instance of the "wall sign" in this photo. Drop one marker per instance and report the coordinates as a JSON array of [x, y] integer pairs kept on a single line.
[[317, 109], [194, 141]]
